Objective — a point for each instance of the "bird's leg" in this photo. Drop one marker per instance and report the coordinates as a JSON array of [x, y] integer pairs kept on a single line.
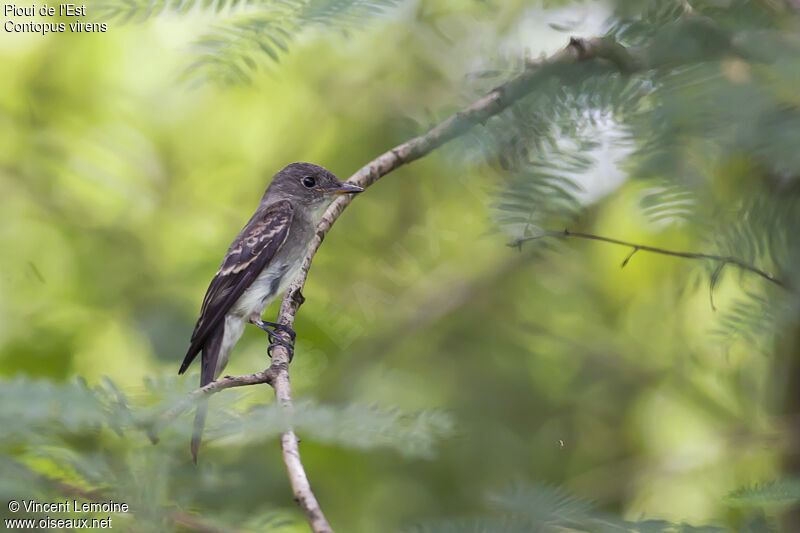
[[274, 338], [286, 329], [281, 327]]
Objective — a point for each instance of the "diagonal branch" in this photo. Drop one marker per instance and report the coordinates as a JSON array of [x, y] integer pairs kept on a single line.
[[722, 260]]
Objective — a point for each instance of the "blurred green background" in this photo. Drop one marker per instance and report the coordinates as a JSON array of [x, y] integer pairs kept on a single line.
[[451, 376]]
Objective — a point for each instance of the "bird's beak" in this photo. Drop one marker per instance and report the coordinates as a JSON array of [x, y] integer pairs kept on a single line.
[[344, 188]]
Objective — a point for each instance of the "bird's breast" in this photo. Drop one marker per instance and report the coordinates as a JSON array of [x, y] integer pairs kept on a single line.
[[262, 291], [275, 278]]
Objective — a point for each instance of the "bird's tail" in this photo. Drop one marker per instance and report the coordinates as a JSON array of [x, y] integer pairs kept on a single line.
[[211, 352], [199, 423]]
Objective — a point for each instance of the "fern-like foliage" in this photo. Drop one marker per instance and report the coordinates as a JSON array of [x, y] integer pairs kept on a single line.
[[352, 426], [252, 32], [541, 509], [544, 505], [94, 438], [639, 30], [667, 203], [123, 11], [756, 318], [545, 143], [777, 493], [707, 131], [31, 407]]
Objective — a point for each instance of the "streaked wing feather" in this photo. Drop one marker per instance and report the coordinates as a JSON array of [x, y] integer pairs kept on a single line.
[[250, 252]]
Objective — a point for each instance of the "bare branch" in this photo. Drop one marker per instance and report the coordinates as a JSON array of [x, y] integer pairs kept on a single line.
[[721, 259]]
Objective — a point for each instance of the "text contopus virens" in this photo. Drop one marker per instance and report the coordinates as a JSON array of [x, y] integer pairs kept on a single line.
[[260, 264]]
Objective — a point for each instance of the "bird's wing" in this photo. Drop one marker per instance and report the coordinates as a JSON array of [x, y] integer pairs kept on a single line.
[[250, 252]]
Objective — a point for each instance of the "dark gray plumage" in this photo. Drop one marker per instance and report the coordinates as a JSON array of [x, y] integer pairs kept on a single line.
[[260, 264]]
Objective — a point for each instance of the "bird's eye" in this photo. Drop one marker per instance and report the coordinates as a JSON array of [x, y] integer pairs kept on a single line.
[[309, 182]]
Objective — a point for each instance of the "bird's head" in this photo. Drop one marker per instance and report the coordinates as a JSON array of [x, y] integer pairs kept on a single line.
[[308, 185]]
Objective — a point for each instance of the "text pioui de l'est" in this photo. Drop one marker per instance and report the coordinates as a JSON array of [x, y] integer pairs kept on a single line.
[[62, 10]]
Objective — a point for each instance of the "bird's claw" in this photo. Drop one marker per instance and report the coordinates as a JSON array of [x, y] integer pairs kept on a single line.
[[280, 342]]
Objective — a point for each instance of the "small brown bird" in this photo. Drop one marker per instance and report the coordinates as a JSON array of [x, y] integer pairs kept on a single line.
[[260, 264]]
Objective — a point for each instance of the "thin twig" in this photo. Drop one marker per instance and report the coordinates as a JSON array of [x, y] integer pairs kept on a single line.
[[226, 382], [721, 259]]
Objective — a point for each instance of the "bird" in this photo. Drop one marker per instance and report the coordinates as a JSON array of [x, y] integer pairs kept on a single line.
[[259, 265]]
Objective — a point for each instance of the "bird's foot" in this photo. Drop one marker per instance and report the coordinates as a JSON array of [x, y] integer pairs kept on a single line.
[[276, 340]]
